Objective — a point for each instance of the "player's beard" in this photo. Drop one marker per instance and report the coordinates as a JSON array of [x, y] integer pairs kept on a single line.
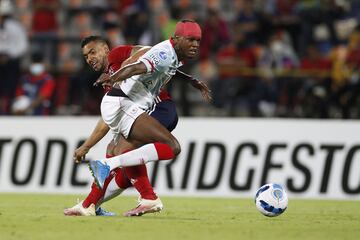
[[104, 64]]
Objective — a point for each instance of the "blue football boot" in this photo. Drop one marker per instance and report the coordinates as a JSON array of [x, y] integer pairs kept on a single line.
[[102, 212], [100, 172]]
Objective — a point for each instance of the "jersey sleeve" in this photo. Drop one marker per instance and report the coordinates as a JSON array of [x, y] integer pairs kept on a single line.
[[157, 60], [117, 56]]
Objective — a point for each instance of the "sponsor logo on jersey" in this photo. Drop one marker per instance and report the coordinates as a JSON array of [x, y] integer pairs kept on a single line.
[[155, 59], [162, 55]]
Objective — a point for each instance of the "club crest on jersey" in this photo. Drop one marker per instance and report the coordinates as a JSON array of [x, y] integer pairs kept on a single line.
[[162, 55]]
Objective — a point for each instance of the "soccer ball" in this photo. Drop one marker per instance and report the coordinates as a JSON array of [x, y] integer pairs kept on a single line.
[[271, 200]]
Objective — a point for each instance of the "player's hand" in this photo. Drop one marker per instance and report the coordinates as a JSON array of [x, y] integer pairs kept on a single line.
[[204, 89], [104, 80], [79, 154]]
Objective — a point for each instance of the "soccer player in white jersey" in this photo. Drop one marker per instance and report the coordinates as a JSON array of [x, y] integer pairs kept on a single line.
[[134, 90]]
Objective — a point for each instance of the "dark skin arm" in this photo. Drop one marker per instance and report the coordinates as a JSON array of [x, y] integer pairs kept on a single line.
[[137, 48], [135, 55], [137, 52], [123, 73], [201, 86], [128, 71], [105, 79]]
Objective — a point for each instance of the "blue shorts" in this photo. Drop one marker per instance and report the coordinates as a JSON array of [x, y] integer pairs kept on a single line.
[[165, 113]]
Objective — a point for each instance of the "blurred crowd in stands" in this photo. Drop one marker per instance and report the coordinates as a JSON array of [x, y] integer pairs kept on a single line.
[[262, 58]]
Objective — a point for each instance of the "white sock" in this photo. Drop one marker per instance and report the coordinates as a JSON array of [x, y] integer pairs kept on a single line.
[[142, 155]]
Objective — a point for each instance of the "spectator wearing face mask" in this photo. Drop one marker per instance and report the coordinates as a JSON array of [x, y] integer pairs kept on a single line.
[[35, 91]]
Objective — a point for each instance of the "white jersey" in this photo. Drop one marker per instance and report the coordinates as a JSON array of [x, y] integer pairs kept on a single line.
[[161, 62]]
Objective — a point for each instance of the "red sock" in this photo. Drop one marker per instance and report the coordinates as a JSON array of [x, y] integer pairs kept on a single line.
[[164, 151], [93, 196], [121, 179], [140, 180], [137, 175], [96, 194]]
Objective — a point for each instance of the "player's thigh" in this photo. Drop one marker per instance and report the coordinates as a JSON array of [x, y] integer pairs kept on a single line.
[[121, 146], [124, 117], [165, 112], [147, 129], [124, 145]]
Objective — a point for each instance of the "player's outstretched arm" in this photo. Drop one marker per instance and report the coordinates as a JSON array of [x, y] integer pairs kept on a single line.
[[136, 53], [98, 133], [123, 73], [135, 56], [104, 80], [201, 86]]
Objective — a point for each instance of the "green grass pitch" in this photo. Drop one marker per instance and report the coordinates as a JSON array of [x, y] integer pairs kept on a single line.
[[32, 216]]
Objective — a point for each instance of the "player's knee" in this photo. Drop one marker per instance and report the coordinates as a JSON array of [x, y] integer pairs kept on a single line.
[[175, 146]]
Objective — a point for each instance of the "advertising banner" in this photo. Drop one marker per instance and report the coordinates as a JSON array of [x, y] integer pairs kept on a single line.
[[220, 157]]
